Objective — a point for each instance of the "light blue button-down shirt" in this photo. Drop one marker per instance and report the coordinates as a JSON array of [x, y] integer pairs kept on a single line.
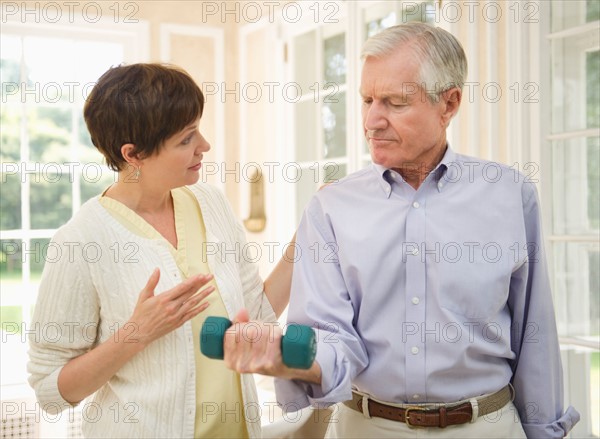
[[430, 295]]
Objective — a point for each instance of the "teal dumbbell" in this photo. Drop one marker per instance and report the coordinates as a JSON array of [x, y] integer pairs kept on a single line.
[[298, 345]]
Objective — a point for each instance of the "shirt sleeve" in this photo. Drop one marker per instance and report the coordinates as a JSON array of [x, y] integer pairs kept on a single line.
[[65, 320], [537, 370], [320, 299]]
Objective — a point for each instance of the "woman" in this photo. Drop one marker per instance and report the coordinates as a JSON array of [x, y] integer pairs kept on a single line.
[[132, 312]]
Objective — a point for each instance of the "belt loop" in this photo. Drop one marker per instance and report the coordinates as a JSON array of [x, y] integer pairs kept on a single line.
[[365, 407], [512, 392], [475, 409]]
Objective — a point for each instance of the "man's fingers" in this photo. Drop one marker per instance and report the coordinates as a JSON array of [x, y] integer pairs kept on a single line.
[[242, 316]]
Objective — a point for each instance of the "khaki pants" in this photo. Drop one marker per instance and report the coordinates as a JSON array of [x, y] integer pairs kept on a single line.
[[348, 423]]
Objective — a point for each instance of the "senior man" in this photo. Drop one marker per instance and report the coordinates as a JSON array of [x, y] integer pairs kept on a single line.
[[434, 306]]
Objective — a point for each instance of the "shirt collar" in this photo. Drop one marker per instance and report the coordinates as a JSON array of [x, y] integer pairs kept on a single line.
[[385, 179]]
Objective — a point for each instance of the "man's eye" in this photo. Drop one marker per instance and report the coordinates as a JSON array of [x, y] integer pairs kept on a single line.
[[186, 140]]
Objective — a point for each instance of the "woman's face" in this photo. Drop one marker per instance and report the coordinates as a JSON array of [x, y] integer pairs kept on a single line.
[[178, 161]]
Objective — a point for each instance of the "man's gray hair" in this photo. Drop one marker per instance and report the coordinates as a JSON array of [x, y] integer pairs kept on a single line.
[[443, 60]]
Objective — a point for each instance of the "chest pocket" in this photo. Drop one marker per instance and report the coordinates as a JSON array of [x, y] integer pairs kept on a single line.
[[477, 289]]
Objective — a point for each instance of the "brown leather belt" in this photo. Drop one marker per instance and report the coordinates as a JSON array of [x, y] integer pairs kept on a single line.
[[442, 416]]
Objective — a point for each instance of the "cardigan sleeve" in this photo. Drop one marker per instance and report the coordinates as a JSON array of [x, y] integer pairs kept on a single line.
[[65, 319]]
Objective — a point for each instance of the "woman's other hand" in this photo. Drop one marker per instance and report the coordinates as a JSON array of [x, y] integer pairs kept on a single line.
[[157, 315]]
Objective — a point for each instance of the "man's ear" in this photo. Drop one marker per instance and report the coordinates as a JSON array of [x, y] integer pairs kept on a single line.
[[451, 99]]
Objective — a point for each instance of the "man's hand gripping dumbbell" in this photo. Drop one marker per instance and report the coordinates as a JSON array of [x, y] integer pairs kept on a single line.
[[256, 347]]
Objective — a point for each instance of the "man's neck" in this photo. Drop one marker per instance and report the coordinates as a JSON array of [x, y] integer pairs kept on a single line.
[[416, 173]]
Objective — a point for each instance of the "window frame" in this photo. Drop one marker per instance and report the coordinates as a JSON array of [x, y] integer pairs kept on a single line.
[[134, 38]]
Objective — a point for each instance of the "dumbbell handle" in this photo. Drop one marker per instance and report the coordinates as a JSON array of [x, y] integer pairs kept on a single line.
[[298, 345]]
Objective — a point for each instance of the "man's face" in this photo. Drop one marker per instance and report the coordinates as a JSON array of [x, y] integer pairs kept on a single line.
[[402, 127]]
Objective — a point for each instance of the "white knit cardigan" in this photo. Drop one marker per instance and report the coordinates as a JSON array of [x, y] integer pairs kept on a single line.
[[95, 269]]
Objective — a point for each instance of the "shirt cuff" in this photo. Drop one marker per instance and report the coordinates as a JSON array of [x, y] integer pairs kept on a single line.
[[335, 384], [557, 429]]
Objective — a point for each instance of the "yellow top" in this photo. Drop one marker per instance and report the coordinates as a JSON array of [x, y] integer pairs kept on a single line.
[[219, 403]]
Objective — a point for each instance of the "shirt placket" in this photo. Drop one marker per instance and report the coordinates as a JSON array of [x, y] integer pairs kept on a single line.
[[415, 300]]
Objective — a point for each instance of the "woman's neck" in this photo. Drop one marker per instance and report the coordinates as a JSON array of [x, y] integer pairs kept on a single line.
[[140, 198]]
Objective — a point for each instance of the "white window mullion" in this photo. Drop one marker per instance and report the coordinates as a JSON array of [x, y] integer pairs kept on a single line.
[[514, 116], [490, 148]]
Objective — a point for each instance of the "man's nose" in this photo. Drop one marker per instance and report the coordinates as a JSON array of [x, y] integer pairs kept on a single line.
[[374, 117]]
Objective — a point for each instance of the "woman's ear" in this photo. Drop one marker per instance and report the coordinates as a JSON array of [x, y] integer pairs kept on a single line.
[[130, 155]]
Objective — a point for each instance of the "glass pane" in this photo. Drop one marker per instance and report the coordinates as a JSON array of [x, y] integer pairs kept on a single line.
[[593, 182], [333, 172], [36, 255], [10, 199], [94, 180], [93, 59], [576, 186], [49, 133], [576, 85], [87, 152], [375, 26], [10, 269], [48, 61], [49, 70], [576, 288], [334, 126], [306, 186], [10, 68], [10, 134], [592, 10], [305, 69], [14, 345], [334, 62], [305, 118], [569, 13], [424, 12], [50, 200], [592, 77]]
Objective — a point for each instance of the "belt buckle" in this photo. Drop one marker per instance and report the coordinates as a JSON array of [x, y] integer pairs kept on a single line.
[[412, 408]]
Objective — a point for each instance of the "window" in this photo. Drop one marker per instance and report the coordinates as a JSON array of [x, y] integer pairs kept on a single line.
[[573, 152], [49, 166], [324, 63]]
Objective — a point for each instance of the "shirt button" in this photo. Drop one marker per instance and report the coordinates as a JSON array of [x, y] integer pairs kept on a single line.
[[415, 300], [414, 350], [440, 185], [416, 396], [416, 204], [415, 251]]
